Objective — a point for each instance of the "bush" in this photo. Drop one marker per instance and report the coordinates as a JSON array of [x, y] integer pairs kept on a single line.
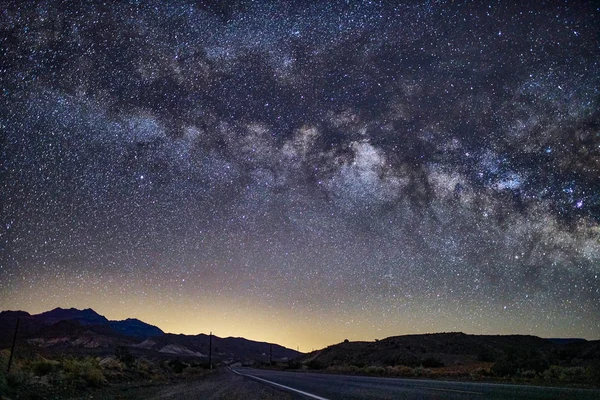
[[528, 374], [480, 373], [16, 378], [84, 372], [111, 364], [94, 377], [592, 373], [567, 374], [403, 370], [44, 367], [177, 365], [374, 370], [420, 371], [512, 364], [144, 365], [122, 354], [3, 381]]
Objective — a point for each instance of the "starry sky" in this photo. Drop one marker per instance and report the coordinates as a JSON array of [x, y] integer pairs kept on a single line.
[[306, 172]]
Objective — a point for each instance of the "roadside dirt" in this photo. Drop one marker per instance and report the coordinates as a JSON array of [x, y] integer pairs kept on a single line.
[[220, 385]]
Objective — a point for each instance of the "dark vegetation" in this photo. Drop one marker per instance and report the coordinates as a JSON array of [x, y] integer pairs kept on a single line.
[[510, 358], [37, 376]]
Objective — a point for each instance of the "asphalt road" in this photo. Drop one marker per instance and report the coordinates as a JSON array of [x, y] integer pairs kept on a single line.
[[333, 387]]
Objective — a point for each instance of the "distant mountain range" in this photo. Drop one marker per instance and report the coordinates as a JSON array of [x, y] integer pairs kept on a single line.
[[86, 331], [129, 327], [84, 317]]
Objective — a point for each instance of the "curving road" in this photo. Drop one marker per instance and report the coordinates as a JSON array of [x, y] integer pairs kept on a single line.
[[333, 387]]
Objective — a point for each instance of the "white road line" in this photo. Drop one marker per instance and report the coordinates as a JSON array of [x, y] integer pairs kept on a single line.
[[313, 396], [449, 390]]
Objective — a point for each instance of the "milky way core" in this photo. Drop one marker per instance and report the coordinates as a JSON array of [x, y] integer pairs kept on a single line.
[[304, 173]]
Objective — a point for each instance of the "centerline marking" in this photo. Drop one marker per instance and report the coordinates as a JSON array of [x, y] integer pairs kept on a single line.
[[313, 396]]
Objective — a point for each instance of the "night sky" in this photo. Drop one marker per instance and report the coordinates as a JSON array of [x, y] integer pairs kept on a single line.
[[304, 173]]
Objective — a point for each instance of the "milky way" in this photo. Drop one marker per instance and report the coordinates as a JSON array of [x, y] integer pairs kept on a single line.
[[304, 173]]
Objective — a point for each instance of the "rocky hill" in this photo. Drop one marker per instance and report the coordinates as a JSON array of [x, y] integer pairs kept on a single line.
[[448, 349]]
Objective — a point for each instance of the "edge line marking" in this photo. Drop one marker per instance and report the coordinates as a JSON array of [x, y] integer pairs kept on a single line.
[[448, 390], [313, 396]]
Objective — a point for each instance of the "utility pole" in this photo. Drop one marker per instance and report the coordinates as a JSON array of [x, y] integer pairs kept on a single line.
[[12, 350], [210, 350], [270, 354]]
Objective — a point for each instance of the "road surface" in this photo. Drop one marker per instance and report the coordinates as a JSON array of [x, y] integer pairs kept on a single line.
[[333, 387]]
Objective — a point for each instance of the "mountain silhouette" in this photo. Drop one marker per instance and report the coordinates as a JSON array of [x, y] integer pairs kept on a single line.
[[87, 332], [84, 317], [135, 328]]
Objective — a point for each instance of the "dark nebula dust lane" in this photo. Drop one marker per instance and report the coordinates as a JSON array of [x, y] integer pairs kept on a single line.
[[304, 173]]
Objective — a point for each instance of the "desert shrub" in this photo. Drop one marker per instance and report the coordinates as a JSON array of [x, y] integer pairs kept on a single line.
[[567, 374], [197, 370], [432, 362], [536, 364], [112, 364], [157, 376], [44, 367], [420, 371], [528, 374], [553, 374], [122, 354], [403, 370], [374, 370], [94, 377], [575, 374], [592, 373], [398, 370], [480, 373], [16, 377], [4, 356], [144, 365], [85, 372], [513, 364], [177, 365], [3, 383]]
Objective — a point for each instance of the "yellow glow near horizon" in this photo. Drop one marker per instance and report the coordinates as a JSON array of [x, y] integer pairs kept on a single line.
[[190, 313]]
